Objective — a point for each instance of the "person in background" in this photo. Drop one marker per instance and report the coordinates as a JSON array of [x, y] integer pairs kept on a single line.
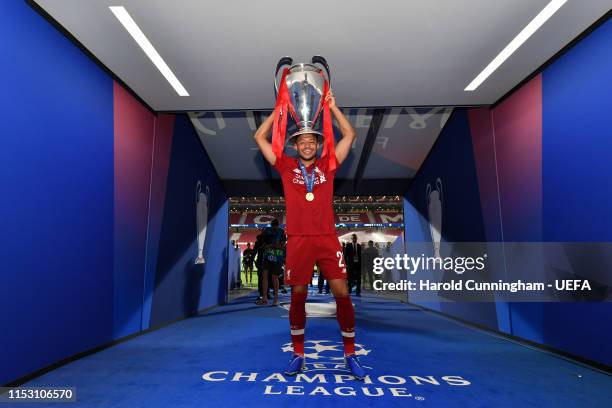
[[237, 258], [352, 255], [281, 277], [258, 253], [386, 251], [248, 257], [369, 253], [274, 240]]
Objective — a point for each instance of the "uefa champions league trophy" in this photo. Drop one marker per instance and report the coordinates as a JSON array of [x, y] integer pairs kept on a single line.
[[434, 209], [302, 92], [201, 220]]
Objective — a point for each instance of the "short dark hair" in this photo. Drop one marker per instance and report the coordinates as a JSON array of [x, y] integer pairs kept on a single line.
[[294, 139], [274, 223]]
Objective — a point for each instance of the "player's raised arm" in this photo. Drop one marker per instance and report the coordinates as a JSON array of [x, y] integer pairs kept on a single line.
[[261, 138], [343, 147]]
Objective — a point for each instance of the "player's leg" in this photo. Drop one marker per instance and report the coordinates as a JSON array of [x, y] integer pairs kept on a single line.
[[264, 285], [270, 283], [275, 272], [297, 322], [332, 264], [281, 281], [297, 317], [298, 272], [259, 266], [345, 313]]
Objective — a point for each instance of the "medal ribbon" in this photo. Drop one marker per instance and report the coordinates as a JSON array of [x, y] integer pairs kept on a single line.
[[308, 180]]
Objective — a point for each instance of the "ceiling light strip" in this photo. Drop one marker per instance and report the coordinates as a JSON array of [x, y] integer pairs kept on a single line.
[[130, 25], [550, 9]]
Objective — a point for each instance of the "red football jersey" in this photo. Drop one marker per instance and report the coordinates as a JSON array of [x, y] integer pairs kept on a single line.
[[305, 217]]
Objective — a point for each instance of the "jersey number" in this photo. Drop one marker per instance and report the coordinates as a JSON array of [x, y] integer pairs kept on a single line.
[[339, 256]]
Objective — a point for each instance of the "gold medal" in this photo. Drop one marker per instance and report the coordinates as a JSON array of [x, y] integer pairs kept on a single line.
[[309, 196]]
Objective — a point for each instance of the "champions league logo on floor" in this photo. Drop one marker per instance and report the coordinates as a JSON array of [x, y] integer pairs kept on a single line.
[[326, 355], [326, 374]]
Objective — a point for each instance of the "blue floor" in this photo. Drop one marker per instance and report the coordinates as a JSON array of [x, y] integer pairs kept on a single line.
[[233, 356]]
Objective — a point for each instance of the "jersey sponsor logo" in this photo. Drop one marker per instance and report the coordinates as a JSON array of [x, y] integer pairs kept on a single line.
[[298, 178]]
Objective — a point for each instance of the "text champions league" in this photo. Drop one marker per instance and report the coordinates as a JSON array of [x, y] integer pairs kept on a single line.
[[344, 385]]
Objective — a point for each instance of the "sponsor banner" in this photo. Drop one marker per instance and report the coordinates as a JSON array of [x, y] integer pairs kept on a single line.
[[348, 218]]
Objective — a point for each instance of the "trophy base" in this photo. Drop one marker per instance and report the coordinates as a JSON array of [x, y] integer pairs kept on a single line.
[[199, 260]]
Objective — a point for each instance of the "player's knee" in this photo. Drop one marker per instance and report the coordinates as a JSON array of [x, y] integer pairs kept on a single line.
[[298, 301], [341, 292], [339, 287], [301, 289]]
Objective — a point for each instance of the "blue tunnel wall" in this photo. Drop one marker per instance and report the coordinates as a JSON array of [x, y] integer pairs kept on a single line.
[[532, 169], [99, 229]]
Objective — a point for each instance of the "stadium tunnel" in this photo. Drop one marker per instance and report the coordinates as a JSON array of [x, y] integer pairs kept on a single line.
[[110, 171]]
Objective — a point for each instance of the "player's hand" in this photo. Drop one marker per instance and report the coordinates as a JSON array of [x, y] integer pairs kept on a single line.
[[331, 98]]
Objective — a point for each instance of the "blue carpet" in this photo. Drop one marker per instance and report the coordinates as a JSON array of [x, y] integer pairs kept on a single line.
[[229, 357]]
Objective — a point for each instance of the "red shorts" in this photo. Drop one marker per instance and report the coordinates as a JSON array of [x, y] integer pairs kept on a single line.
[[303, 251]]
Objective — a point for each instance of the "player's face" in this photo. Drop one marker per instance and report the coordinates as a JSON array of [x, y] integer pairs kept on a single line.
[[306, 146]]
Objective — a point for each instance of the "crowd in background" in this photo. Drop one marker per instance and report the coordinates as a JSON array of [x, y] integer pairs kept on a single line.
[[268, 253]]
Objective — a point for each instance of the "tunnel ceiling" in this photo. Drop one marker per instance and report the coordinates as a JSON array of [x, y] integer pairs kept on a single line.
[[383, 159], [382, 53], [386, 57]]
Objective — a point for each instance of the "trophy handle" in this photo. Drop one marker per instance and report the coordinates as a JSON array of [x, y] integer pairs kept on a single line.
[[317, 59], [281, 63]]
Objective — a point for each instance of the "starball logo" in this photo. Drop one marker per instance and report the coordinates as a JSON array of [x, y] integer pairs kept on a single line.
[[326, 374]]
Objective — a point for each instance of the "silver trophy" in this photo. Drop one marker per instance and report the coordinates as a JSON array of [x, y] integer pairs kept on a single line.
[[306, 86]]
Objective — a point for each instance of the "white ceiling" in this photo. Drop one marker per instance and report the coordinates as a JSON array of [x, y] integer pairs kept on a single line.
[[382, 53]]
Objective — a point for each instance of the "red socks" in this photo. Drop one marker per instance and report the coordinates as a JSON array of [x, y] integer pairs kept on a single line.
[[346, 319], [344, 312], [297, 321]]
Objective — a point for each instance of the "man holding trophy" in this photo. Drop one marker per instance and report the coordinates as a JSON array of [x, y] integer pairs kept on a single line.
[[308, 184]]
